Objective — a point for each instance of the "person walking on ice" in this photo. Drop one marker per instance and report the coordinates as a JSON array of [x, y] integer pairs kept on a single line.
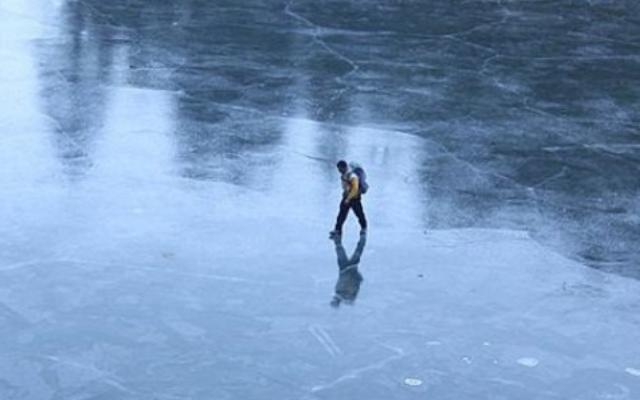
[[353, 186]]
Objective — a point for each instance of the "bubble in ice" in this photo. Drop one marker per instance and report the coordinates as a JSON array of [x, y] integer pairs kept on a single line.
[[528, 362], [412, 382], [633, 371], [433, 343]]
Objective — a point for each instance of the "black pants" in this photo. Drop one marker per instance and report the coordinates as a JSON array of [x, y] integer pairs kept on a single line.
[[356, 206]]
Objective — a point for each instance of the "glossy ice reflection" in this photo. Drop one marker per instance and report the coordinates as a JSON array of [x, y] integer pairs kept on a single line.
[[349, 277]]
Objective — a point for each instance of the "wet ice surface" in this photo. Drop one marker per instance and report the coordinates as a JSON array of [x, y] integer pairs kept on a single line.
[[168, 183]]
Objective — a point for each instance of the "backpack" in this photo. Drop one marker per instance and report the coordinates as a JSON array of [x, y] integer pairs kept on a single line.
[[362, 176]]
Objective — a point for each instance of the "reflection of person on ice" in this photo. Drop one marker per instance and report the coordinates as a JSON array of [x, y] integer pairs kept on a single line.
[[353, 186], [349, 278]]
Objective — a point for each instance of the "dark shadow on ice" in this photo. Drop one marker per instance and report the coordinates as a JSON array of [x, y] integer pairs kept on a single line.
[[349, 278]]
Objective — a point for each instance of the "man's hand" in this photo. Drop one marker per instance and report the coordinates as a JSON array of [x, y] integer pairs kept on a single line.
[[346, 202]]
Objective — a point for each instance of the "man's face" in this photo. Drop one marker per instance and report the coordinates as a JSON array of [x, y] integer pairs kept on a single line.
[[342, 170]]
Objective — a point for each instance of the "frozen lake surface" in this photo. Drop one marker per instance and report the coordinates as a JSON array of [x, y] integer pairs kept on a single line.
[[168, 183]]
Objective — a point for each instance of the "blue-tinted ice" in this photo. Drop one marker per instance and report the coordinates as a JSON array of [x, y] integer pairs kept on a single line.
[[168, 184]]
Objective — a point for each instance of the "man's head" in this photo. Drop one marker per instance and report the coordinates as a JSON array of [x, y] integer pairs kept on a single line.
[[342, 166]]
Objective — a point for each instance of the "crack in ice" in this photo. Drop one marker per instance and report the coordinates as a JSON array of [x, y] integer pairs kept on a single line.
[[355, 373]]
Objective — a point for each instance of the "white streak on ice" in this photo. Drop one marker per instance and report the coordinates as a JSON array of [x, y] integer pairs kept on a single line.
[[325, 340], [528, 362], [355, 373]]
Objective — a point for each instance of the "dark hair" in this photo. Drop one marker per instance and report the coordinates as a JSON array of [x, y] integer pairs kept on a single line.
[[342, 164]]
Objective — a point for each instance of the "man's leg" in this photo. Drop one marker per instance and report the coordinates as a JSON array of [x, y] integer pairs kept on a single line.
[[357, 209], [342, 216]]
